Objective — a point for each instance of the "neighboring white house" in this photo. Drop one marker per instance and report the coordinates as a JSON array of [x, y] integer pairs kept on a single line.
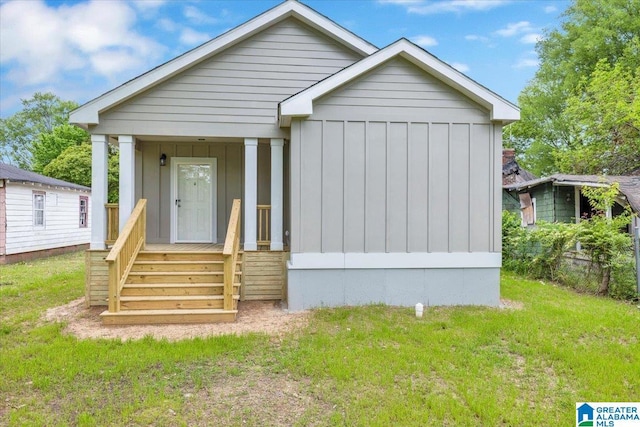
[[381, 167], [41, 216]]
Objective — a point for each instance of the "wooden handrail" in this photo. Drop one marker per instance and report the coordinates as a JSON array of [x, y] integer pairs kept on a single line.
[[124, 252], [264, 233], [113, 216], [230, 253]]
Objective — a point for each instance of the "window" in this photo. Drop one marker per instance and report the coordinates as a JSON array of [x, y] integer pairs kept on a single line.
[[84, 209], [38, 208]]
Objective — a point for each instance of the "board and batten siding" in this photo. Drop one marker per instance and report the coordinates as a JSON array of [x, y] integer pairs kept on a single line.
[[396, 162], [61, 217], [236, 92]]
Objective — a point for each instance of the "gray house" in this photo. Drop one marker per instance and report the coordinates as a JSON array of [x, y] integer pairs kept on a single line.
[[379, 170]]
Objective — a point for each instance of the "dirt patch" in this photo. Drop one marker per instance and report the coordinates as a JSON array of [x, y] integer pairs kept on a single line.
[[253, 316], [511, 305]]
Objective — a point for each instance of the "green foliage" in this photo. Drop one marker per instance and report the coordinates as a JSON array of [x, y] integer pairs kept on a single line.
[[50, 145], [579, 114], [539, 252], [536, 251], [604, 118], [74, 165], [19, 132]]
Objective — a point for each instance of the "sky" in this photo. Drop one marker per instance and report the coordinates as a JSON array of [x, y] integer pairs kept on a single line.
[[81, 49]]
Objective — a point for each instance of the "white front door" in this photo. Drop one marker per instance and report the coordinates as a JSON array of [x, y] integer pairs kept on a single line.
[[194, 200]]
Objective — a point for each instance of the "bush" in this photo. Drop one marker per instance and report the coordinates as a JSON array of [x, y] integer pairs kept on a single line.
[[540, 252]]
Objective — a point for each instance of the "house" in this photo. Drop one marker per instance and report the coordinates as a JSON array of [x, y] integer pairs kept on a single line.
[[558, 198], [513, 173], [41, 216], [365, 175]]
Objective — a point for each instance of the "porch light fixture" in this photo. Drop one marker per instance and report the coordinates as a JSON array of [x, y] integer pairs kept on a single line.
[[163, 159]]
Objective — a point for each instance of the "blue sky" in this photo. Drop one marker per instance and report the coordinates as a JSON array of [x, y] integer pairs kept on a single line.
[[81, 49]]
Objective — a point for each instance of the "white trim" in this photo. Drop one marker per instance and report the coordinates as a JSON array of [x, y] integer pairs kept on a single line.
[[99, 191], [88, 114], [173, 163], [322, 261], [127, 177], [277, 173], [301, 104], [250, 193]]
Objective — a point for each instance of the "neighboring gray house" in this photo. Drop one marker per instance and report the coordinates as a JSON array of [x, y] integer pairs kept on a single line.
[[40, 215], [381, 168]]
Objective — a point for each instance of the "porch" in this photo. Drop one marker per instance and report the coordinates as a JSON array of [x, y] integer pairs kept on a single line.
[[159, 283]]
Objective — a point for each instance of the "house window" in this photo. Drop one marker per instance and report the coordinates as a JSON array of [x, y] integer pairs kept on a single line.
[[84, 210], [38, 208]]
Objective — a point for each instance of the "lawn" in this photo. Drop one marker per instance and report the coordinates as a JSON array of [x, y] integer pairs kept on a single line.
[[353, 366]]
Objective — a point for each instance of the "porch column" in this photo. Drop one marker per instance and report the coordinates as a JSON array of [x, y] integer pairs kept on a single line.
[[277, 172], [99, 190], [127, 187], [250, 193]]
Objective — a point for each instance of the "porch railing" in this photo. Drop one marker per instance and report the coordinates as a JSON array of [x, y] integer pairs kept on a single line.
[[124, 252], [230, 254], [264, 231], [113, 221]]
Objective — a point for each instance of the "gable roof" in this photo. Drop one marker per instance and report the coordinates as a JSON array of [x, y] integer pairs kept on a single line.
[[301, 104], [88, 114], [629, 185], [14, 174]]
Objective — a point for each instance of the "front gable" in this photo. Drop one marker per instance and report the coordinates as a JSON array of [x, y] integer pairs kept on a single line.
[[398, 90], [236, 92], [302, 104], [88, 115]]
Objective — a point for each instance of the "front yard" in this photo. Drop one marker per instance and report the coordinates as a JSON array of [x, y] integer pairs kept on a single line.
[[524, 365]]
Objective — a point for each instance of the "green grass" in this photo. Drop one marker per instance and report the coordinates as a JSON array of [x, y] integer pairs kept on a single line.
[[351, 366]]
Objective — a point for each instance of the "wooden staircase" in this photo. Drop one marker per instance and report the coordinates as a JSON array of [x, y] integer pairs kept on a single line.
[[156, 287], [175, 287]]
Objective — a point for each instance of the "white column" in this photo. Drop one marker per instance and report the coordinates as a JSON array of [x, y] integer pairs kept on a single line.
[[277, 182], [99, 190], [127, 196], [250, 193]]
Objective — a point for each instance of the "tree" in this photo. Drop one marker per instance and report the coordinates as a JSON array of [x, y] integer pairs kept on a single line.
[[602, 238], [39, 115], [594, 33], [74, 165], [50, 145]]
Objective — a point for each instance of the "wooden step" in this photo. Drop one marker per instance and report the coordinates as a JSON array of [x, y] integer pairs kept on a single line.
[[177, 277], [180, 256], [168, 302], [176, 289], [147, 265], [150, 317]]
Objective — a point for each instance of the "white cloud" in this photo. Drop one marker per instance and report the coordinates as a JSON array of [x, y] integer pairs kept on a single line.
[[167, 24], [191, 37], [515, 28], [531, 38], [423, 7], [197, 17], [39, 42], [145, 5], [424, 41], [550, 9], [463, 68], [475, 37], [527, 63]]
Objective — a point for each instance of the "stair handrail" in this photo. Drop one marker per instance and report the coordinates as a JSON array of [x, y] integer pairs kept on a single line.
[[230, 253], [124, 252]]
